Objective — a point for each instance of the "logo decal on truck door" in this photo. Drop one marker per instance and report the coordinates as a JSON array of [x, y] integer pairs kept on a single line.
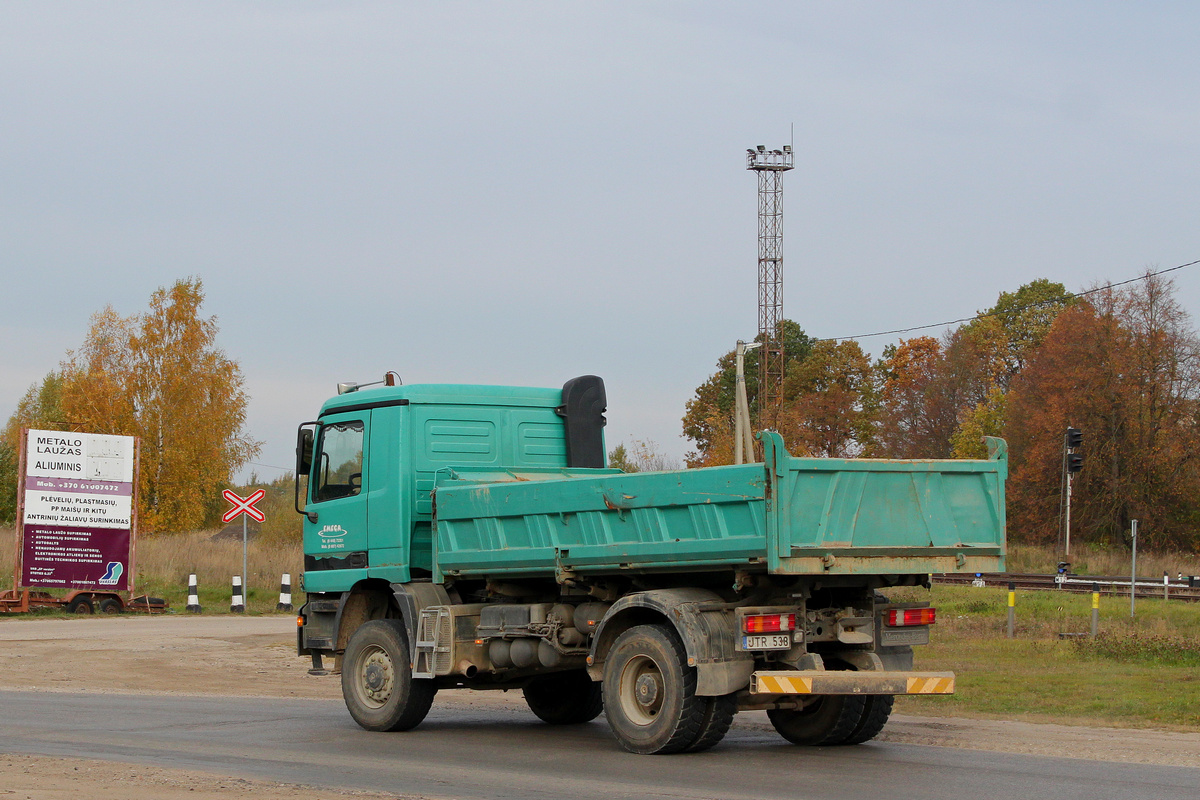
[[332, 537]]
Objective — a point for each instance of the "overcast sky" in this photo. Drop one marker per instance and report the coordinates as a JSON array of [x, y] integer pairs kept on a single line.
[[518, 193]]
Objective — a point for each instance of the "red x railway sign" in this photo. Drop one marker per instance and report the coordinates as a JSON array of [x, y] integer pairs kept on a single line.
[[243, 505]]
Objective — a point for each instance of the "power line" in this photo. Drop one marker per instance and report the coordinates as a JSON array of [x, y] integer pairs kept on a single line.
[[1010, 311], [270, 466]]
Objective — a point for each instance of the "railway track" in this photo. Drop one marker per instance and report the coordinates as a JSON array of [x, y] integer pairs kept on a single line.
[[1185, 589]]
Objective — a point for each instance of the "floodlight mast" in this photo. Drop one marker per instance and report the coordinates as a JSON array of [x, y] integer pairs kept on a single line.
[[770, 166]]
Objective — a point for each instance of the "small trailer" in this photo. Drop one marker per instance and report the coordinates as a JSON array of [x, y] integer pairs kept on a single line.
[[80, 601]]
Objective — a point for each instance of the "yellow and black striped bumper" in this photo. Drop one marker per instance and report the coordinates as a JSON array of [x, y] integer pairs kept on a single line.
[[839, 682]]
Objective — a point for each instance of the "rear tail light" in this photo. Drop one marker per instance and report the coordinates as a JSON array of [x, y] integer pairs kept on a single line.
[[769, 623], [902, 617]]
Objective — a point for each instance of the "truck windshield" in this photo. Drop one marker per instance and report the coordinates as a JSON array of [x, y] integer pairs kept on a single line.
[[339, 465]]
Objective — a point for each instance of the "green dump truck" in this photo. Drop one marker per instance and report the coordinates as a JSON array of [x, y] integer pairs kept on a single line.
[[471, 537]]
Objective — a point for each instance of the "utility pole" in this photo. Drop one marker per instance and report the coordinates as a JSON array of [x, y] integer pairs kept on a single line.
[[743, 448]]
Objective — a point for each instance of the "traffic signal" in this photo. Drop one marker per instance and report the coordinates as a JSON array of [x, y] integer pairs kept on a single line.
[[1074, 462], [1074, 438]]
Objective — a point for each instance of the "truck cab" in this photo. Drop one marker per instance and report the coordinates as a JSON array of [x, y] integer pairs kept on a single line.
[[373, 455]]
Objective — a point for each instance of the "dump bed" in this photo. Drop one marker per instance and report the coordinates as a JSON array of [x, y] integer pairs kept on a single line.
[[789, 515]]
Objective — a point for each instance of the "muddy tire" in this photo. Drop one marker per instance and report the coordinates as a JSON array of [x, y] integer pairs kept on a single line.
[[650, 692], [876, 710], [829, 719], [565, 698], [718, 716], [377, 683], [81, 605]]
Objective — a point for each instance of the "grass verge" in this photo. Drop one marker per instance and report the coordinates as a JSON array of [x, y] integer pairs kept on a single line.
[[1142, 672]]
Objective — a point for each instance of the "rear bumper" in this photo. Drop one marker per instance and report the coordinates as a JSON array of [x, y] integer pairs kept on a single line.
[[785, 682]]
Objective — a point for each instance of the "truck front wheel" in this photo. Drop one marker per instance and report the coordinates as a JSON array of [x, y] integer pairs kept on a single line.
[[650, 692], [377, 683], [565, 698]]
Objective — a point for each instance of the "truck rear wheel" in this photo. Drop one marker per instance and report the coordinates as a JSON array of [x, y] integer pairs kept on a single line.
[[829, 719], [718, 716], [876, 710], [377, 683], [565, 698], [650, 692]]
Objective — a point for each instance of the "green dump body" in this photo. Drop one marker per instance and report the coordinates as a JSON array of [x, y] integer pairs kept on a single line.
[[789, 515]]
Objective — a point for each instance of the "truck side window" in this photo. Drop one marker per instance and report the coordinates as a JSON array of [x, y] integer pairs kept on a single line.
[[340, 461]]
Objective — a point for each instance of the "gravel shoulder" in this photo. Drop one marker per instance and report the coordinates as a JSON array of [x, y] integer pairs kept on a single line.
[[255, 657]]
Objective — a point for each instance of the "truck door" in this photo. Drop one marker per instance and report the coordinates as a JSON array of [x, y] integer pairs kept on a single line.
[[338, 494]]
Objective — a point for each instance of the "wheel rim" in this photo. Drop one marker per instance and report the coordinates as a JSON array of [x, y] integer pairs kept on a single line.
[[376, 677], [642, 690]]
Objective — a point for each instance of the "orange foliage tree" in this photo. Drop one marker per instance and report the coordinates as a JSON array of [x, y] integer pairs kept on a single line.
[[916, 416], [939, 398], [1125, 369], [828, 401], [159, 376]]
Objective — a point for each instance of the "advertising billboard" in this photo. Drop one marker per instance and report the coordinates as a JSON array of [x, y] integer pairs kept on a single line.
[[77, 522]]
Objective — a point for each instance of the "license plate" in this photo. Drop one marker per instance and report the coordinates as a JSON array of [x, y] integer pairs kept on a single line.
[[768, 641]]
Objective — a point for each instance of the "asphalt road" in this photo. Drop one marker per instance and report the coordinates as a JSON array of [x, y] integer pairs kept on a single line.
[[498, 754]]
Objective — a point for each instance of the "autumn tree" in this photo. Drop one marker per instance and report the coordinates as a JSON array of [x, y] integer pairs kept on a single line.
[[40, 408], [828, 401], [160, 376], [708, 417], [917, 412], [8, 482], [642, 455], [938, 398], [1123, 367], [1025, 317], [986, 354]]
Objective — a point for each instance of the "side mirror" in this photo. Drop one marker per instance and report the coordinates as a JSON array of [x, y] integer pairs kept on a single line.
[[304, 459], [304, 451]]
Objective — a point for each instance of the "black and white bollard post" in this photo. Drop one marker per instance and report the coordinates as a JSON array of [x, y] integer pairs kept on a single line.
[[285, 593], [239, 600], [193, 603]]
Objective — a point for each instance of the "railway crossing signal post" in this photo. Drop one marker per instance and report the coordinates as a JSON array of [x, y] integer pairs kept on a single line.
[[1133, 569], [243, 505], [1072, 463]]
